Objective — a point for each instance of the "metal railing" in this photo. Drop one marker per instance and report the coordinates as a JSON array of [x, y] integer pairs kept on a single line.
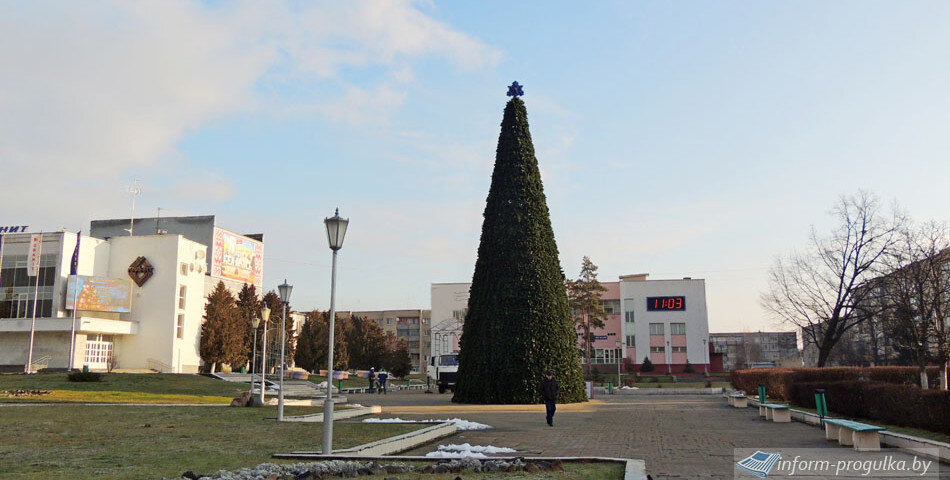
[[41, 362], [158, 365]]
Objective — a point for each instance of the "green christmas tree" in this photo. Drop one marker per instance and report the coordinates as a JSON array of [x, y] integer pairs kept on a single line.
[[519, 323]]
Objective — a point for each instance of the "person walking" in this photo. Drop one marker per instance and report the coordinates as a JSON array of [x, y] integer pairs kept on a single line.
[[549, 389], [372, 379], [383, 376]]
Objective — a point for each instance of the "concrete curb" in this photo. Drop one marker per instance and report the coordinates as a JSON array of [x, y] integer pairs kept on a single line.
[[386, 446], [307, 402], [337, 414], [907, 443], [633, 469], [665, 391]]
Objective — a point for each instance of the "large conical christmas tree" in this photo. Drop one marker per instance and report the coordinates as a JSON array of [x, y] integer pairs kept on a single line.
[[518, 324]]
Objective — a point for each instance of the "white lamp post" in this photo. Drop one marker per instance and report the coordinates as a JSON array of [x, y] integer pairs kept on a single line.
[[336, 230], [256, 322], [284, 289], [619, 355], [265, 315]]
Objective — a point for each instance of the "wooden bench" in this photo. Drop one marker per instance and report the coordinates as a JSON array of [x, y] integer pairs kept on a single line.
[[738, 400], [775, 412], [863, 437]]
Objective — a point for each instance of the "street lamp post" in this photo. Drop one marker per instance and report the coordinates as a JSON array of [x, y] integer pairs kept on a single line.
[[336, 230], [256, 322], [706, 356], [284, 290], [619, 355], [265, 315]]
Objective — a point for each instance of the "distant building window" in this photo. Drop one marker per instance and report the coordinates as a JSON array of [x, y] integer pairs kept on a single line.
[[182, 291], [459, 314], [678, 329], [656, 329], [180, 326], [679, 349], [657, 349], [389, 321], [631, 340]]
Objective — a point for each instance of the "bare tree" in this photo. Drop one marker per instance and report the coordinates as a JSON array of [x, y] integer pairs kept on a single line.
[[915, 294], [817, 289]]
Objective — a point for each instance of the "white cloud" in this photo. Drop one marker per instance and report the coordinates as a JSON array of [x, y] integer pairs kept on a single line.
[[91, 91]]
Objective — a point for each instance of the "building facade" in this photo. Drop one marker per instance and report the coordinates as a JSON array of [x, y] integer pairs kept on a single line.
[[233, 258], [411, 326], [134, 303], [757, 349], [665, 320]]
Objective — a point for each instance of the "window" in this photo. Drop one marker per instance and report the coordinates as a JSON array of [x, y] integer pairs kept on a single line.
[[657, 349], [679, 349], [182, 292], [180, 326], [628, 314], [184, 268], [631, 340], [389, 321], [610, 306], [656, 329], [425, 321], [459, 314], [678, 329]]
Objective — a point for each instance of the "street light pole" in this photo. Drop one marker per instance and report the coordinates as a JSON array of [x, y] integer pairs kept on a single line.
[[284, 290], [336, 230], [619, 354], [254, 324], [265, 315]]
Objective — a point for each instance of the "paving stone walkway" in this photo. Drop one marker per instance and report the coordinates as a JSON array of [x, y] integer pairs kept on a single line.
[[678, 436]]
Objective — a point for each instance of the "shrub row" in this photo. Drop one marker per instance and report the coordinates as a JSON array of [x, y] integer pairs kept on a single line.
[[779, 381], [902, 405]]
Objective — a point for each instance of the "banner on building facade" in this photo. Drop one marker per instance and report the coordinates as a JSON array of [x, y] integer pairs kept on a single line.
[[33, 257], [98, 294], [237, 257]]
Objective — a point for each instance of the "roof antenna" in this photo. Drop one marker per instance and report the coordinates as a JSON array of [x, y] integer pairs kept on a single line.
[[134, 190]]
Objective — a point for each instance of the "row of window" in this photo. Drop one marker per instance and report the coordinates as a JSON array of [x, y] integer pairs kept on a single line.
[[663, 349], [23, 308], [675, 329]]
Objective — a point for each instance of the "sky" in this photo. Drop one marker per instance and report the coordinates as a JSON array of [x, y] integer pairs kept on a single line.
[[696, 139]]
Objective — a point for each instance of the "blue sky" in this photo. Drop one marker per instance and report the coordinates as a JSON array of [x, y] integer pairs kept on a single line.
[[681, 139]]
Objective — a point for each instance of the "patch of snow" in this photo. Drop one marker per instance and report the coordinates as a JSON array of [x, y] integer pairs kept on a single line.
[[466, 447], [459, 423], [629, 388], [467, 450]]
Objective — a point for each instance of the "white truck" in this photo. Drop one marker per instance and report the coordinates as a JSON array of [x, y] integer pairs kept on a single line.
[[442, 369]]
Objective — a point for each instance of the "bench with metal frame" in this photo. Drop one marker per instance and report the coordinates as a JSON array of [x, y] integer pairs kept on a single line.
[[775, 412]]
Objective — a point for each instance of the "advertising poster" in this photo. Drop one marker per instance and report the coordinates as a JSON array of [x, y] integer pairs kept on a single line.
[[237, 258], [98, 294]]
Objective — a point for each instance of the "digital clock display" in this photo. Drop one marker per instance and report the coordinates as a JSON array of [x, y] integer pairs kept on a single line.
[[665, 303]]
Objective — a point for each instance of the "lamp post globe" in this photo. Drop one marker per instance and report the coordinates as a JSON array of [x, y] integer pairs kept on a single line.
[[336, 231], [265, 316], [284, 289]]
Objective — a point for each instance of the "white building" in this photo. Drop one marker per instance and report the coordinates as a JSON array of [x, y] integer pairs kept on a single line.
[[155, 325], [449, 306], [663, 319], [667, 320]]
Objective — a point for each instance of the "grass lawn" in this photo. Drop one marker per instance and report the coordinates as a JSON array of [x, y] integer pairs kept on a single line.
[[79, 442], [142, 383]]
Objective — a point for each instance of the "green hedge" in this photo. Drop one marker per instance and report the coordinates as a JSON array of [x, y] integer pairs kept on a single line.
[[901, 405], [779, 381]]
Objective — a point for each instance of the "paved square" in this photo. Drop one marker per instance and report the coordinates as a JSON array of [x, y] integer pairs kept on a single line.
[[679, 436]]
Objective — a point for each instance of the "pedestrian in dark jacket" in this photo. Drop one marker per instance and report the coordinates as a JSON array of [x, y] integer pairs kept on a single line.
[[372, 380], [549, 389]]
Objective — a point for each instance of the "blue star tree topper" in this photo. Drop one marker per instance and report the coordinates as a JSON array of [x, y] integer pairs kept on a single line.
[[515, 90]]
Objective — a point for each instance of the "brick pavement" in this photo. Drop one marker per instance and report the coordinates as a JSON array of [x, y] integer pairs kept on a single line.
[[681, 436]]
